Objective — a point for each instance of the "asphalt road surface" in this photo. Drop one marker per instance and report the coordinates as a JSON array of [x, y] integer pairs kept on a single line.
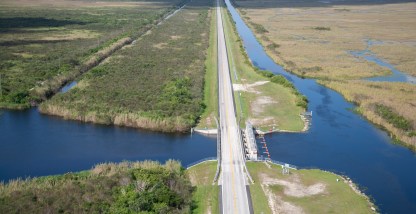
[[233, 180]]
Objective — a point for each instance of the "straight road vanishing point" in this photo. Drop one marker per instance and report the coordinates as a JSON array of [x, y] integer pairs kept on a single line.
[[234, 193]]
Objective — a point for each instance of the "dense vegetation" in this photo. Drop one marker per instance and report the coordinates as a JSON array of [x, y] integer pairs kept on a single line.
[[145, 187], [157, 83], [392, 117], [45, 47]]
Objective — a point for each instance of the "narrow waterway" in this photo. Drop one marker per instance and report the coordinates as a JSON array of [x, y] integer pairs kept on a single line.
[[68, 87], [396, 75], [32, 144], [340, 140]]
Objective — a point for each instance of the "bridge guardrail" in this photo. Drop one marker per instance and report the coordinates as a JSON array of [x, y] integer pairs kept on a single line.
[[200, 161], [217, 173], [277, 162]]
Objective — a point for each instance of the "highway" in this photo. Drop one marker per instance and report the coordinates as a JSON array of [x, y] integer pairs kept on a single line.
[[234, 194]]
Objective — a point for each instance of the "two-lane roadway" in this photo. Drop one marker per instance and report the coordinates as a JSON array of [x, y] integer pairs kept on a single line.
[[233, 180]]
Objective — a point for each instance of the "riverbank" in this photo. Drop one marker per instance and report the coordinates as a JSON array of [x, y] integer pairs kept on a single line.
[[255, 94], [318, 54], [157, 83]]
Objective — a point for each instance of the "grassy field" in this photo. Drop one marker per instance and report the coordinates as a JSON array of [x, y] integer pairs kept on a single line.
[[211, 83], [205, 196], [266, 104], [156, 83], [303, 191], [46, 44], [127, 187], [313, 39]]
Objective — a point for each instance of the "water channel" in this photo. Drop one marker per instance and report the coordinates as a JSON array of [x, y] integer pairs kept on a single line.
[[340, 140], [32, 144], [396, 75]]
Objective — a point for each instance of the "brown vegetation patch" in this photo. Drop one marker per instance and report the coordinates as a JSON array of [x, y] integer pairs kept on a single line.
[[321, 35], [160, 45], [79, 3], [175, 37]]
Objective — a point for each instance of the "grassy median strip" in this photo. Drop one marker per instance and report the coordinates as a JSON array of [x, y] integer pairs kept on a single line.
[[266, 104], [48, 43], [156, 84], [304, 191]]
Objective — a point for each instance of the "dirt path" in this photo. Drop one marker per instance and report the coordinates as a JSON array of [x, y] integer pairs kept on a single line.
[[291, 187]]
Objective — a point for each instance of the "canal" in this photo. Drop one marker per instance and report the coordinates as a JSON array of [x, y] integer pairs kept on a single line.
[[32, 144], [340, 140]]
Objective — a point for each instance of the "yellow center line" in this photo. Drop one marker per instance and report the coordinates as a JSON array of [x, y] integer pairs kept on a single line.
[[226, 96]]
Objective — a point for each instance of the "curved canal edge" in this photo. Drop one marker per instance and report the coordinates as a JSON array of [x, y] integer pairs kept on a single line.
[[339, 140]]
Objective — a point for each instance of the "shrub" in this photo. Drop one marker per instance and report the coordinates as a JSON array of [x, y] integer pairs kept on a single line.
[[393, 118], [322, 28]]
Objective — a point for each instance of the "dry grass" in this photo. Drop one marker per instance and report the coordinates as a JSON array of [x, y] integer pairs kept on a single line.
[[79, 3], [402, 56], [294, 26], [312, 39]]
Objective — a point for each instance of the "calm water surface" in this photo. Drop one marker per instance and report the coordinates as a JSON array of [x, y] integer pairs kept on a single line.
[[32, 144], [340, 140], [396, 76], [68, 87]]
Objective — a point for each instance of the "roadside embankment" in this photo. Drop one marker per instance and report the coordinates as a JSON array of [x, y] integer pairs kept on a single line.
[[268, 101]]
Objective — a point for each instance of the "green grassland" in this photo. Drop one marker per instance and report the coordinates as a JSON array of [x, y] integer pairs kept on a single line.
[[205, 196], [127, 187], [44, 47], [211, 83], [303, 191], [156, 83], [268, 104]]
